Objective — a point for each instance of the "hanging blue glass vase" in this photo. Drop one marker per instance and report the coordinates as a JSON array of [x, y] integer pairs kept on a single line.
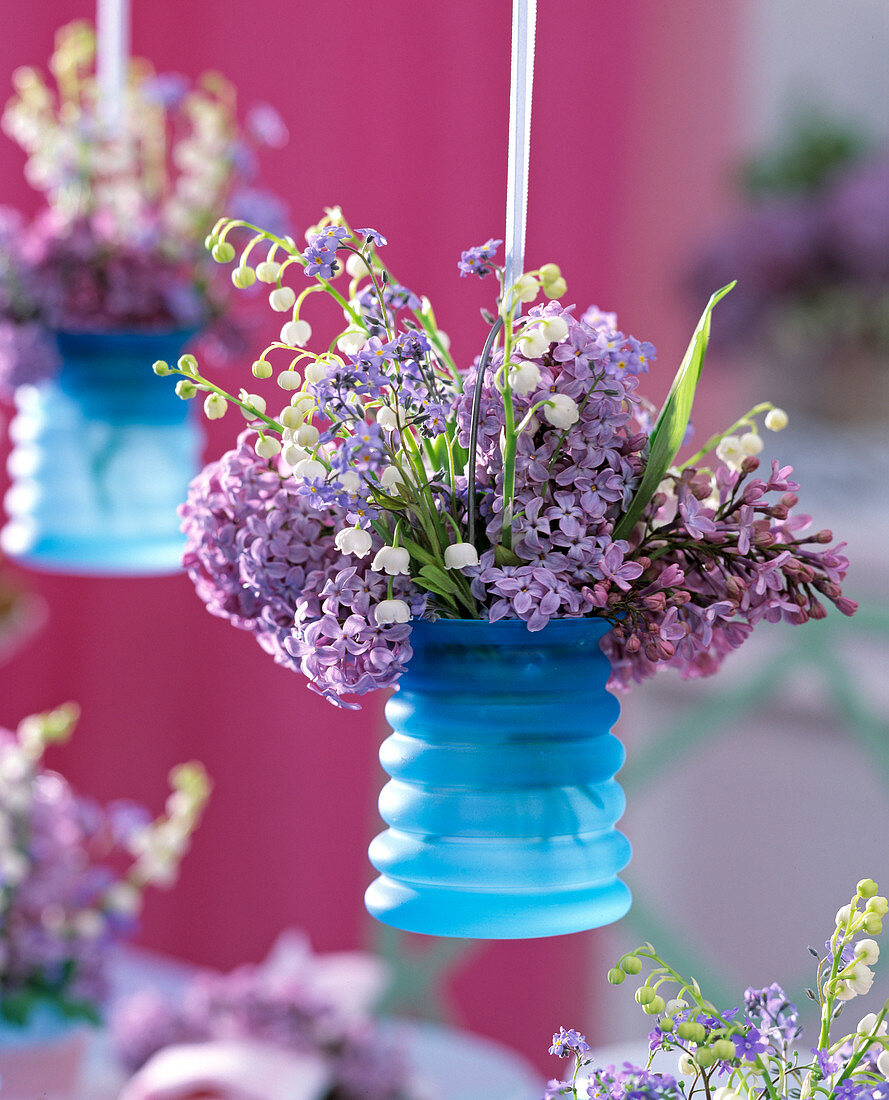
[[502, 801], [102, 456]]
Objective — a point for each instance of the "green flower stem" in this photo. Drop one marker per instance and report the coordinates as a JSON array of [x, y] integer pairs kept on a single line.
[[510, 437], [866, 1042], [206, 384], [714, 440]]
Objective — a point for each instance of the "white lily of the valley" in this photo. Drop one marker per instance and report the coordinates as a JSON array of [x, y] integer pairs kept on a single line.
[[524, 377], [554, 329], [867, 951], [392, 560], [392, 611], [459, 555], [776, 420], [296, 334], [311, 469], [561, 410], [267, 446], [353, 540], [215, 406], [282, 299], [391, 477], [532, 343]]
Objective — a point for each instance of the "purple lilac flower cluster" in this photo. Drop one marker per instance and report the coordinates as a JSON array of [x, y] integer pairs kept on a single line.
[[261, 553], [513, 490], [27, 353], [288, 1010], [71, 873]]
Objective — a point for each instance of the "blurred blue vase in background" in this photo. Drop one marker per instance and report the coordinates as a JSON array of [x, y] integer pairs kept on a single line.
[[102, 456], [502, 800]]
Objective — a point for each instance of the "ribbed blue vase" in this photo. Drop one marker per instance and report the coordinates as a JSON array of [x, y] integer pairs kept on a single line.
[[102, 456], [502, 801]]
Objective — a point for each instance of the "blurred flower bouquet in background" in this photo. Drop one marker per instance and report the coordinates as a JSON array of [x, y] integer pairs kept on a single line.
[[119, 245], [314, 1006], [72, 874], [537, 485], [752, 1052], [810, 251]]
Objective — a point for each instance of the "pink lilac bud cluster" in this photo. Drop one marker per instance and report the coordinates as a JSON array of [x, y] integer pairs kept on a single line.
[[286, 1010], [262, 554], [732, 555]]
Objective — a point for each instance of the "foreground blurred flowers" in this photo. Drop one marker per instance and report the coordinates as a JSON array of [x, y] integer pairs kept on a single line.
[[537, 485], [751, 1052], [72, 874], [119, 245], [296, 1001]]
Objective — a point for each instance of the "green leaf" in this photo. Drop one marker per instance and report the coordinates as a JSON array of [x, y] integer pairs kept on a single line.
[[433, 574], [669, 432], [504, 556]]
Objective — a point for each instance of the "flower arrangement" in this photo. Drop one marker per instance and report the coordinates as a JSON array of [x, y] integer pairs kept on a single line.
[[751, 1052], [295, 1000], [119, 244], [539, 484], [72, 874], [809, 249]]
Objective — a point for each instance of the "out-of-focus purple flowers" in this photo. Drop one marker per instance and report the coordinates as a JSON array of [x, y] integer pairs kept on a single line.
[[296, 1000]]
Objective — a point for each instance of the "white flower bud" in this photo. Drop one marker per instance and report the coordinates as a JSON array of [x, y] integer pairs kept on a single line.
[[392, 560], [352, 340], [261, 369], [860, 978], [267, 446], [676, 1004], [751, 443], [392, 611], [290, 417], [843, 914], [460, 554], [215, 406], [555, 288], [304, 404], [867, 951], [555, 329], [310, 468], [387, 418], [687, 1065], [353, 540], [731, 452], [725, 1092], [289, 380], [350, 481], [307, 435], [268, 271], [526, 289], [282, 299], [524, 377], [532, 343], [883, 1064], [296, 334], [561, 411], [776, 420], [355, 266], [315, 372], [391, 477], [243, 277], [293, 455]]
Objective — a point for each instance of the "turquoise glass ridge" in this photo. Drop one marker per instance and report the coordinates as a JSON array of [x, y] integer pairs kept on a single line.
[[102, 457], [502, 803]]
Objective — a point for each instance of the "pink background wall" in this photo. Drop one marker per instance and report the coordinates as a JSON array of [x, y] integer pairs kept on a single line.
[[398, 112]]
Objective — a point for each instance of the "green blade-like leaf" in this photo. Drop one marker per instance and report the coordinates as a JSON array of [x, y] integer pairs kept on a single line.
[[669, 432]]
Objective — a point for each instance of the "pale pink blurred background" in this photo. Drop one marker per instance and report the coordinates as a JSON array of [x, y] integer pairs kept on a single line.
[[397, 112]]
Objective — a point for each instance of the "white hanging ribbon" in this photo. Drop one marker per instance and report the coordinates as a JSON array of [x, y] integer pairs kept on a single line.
[[112, 60], [524, 22]]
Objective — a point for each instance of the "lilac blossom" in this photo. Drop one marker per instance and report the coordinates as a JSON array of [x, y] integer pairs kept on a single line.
[[479, 260]]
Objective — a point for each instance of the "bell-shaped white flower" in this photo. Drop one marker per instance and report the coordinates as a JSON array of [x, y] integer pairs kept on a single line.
[[311, 469], [392, 560], [554, 329], [860, 978], [392, 611], [293, 455], [731, 452], [460, 554], [254, 401], [352, 340], [267, 446], [296, 334], [561, 411], [883, 1064], [524, 377], [751, 443], [289, 380], [282, 299], [353, 540], [215, 406], [307, 435], [526, 289], [390, 478], [350, 481], [532, 343], [387, 418], [315, 372], [776, 420], [268, 271], [867, 951], [304, 403]]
